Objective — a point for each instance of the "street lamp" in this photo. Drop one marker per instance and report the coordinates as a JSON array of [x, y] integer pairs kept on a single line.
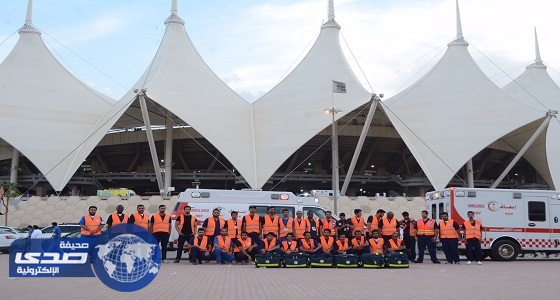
[[334, 139], [361, 192]]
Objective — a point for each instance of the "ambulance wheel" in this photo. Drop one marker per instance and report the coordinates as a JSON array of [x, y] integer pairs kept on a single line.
[[505, 250]]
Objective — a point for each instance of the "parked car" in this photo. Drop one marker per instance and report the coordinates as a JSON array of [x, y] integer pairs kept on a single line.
[[6, 239], [64, 228], [72, 235], [20, 234]]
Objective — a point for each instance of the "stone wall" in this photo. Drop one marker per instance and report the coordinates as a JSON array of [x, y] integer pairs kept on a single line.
[[42, 211]]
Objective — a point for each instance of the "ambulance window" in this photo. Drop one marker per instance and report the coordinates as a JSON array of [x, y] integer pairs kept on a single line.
[[537, 211], [317, 212], [434, 213], [263, 210]]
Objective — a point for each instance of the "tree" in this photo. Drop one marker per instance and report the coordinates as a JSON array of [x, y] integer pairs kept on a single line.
[[7, 190]]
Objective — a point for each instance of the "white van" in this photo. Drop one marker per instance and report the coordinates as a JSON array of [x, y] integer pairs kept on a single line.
[[204, 201]]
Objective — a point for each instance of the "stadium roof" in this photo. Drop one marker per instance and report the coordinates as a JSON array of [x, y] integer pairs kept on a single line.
[[47, 113], [453, 112], [535, 87]]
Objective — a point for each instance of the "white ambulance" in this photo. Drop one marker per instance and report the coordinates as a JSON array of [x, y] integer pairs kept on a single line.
[[514, 221], [204, 201]]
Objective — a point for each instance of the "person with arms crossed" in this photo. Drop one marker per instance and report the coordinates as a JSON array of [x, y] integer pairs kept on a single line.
[[199, 248], [185, 226]]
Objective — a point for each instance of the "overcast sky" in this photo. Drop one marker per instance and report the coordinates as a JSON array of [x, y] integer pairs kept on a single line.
[[252, 44]]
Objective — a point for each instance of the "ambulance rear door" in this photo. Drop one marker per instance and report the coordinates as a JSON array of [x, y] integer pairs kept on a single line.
[[555, 223], [537, 222]]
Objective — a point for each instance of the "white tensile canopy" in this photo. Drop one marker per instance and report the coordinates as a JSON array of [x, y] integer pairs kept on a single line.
[[454, 112], [48, 114], [179, 80], [535, 87], [293, 111], [256, 138]]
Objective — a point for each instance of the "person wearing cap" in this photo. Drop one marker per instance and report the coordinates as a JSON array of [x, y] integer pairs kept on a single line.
[[342, 226], [409, 234], [251, 224], [313, 225], [357, 222]]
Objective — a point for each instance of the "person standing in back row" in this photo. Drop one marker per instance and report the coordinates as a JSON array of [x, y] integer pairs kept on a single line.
[[140, 218], [186, 227], [160, 227], [251, 224], [473, 235], [426, 233], [213, 225], [409, 235], [449, 236], [117, 218]]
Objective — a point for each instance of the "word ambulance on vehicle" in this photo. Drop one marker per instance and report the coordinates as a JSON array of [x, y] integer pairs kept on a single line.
[[514, 221], [204, 201]]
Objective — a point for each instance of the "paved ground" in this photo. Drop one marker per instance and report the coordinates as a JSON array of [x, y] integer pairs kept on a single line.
[[520, 279]]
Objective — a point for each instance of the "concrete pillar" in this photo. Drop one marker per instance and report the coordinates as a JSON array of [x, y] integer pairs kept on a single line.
[[168, 164], [15, 166], [74, 190]]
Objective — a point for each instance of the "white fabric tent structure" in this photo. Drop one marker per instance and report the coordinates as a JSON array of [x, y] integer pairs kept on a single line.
[[180, 80], [256, 138], [453, 112], [535, 87], [48, 114], [292, 112]]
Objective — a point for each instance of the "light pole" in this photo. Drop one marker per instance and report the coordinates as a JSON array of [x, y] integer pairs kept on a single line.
[[361, 192], [334, 149]]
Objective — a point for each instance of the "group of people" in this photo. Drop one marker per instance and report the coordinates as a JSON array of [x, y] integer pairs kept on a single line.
[[241, 239]]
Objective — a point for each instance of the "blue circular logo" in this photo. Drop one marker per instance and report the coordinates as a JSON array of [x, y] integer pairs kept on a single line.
[[126, 258]]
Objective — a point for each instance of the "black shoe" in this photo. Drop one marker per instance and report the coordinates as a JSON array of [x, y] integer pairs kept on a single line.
[[418, 261], [437, 262], [194, 263], [176, 261]]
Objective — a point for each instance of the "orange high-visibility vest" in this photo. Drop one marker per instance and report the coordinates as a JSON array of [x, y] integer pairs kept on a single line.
[[141, 221], [427, 229], [271, 225], [269, 244], [161, 224], [253, 224], [342, 246], [181, 221], [473, 232], [301, 227], [395, 245], [311, 226], [203, 244], [308, 245], [234, 228], [224, 243], [288, 248], [356, 243], [288, 228], [245, 244], [358, 224], [411, 230], [376, 246], [389, 227], [327, 243], [211, 225], [447, 231], [329, 224], [116, 220], [91, 224], [374, 223]]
